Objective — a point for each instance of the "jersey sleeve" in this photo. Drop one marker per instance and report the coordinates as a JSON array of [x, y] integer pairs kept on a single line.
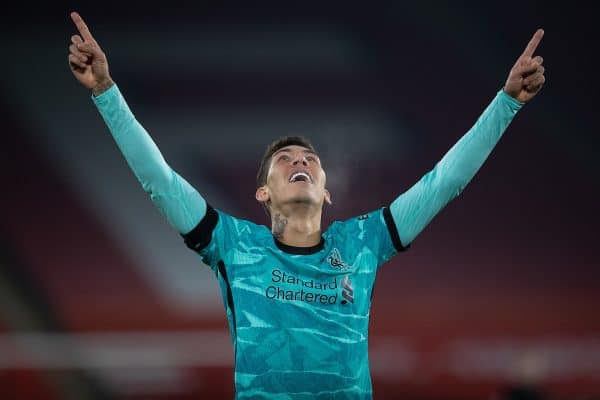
[[373, 234], [215, 236], [174, 197], [416, 207]]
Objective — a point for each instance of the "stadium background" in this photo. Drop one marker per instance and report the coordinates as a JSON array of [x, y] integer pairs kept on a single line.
[[100, 299]]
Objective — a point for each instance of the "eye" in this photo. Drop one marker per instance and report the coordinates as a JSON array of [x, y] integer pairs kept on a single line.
[[284, 157], [312, 159]]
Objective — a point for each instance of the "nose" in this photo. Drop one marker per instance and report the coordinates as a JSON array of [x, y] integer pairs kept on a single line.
[[300, 158]]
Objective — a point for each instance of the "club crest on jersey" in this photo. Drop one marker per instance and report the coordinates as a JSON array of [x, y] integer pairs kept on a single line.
[[335, 260]]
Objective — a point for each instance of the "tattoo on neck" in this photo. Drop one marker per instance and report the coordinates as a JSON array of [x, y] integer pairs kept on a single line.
[[279, 225]]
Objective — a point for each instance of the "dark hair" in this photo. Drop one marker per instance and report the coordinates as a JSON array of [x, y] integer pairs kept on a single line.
[[265, 163]]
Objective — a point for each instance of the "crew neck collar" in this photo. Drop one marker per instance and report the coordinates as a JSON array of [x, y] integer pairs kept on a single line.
[[300, 250]]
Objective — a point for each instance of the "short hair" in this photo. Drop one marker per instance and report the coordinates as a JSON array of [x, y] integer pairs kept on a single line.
[[265, 162]]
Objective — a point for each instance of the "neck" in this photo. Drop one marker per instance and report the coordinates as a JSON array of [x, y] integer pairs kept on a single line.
[[300, 229]]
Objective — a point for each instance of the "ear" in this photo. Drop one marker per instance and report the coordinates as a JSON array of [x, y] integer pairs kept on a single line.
[[327, 197], [262, 194]]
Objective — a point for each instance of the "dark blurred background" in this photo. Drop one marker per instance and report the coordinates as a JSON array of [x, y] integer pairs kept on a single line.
[[497, 298]]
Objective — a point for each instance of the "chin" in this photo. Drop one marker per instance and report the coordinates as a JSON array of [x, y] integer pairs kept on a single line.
[[307, 200]]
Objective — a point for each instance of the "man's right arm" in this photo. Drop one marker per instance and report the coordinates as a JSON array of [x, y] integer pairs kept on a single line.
[[178, 201]]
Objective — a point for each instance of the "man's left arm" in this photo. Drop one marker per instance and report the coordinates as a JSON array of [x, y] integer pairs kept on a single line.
[[416, 207]]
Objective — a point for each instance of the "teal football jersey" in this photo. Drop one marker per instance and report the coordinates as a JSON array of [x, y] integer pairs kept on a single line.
[[298, 316]]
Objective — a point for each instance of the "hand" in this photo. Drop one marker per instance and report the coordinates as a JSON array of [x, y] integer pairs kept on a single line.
[[87, 60], [526, 77]]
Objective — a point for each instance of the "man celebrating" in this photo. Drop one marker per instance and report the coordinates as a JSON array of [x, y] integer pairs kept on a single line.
[[297, 297]]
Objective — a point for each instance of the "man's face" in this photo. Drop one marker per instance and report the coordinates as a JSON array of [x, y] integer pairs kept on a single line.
[[295, 176]]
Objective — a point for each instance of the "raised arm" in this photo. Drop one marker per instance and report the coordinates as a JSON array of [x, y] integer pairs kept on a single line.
[[416, 207], [177, 200]]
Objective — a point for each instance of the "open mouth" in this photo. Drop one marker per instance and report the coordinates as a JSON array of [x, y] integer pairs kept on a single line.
[[300, 176]]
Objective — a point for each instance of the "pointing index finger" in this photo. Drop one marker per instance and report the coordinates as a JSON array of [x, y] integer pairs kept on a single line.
[[81, 27], [533, 43]]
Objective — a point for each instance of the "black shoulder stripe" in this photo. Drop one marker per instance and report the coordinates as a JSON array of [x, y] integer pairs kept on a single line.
[[199, 237], [391, 225]]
